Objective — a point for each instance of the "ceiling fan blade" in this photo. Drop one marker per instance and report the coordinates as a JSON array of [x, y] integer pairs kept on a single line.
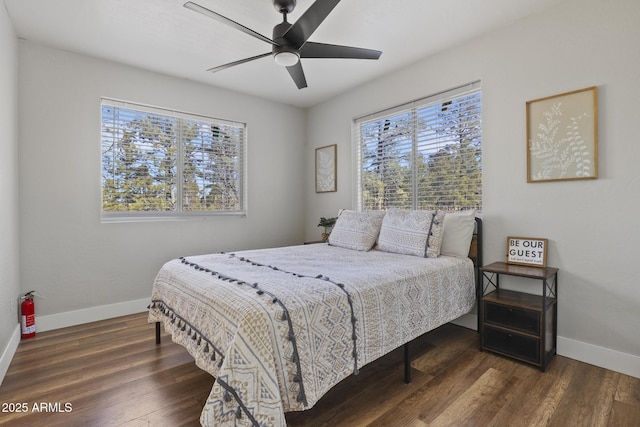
[[211, 14], [242, 61], [296, 73], [323, 50], [310, 20]]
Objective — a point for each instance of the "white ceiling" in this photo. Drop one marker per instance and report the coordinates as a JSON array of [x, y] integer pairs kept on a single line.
[[163, 36]]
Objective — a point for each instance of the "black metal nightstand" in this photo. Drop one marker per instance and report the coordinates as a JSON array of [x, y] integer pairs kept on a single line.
[[516, 324]]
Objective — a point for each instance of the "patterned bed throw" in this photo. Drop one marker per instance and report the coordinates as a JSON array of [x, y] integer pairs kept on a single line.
[[279, 327]]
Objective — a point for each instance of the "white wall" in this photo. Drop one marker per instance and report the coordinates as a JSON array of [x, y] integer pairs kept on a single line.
[[70, 257], [9, 273], [591, 225]]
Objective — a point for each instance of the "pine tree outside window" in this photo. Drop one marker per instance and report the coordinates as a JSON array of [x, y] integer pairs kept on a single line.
[[423, 155], [161, 164]]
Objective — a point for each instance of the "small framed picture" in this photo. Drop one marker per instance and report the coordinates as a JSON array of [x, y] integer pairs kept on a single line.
[[527, 251], [326, 179]]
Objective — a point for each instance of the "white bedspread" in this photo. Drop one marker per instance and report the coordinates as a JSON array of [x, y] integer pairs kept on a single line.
[[279, 327]]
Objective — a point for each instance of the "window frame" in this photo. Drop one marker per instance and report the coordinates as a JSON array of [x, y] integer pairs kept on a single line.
[[179, 213], [359, 145]]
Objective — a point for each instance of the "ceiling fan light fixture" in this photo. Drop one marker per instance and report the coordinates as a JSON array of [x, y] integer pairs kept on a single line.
[[286, 58], [290, 42]]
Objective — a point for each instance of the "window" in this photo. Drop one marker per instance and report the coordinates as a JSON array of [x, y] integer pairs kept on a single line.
[[160, 163], [422, 155]]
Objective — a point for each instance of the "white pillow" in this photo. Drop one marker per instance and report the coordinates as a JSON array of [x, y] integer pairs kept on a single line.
[[457, 233], [411, 232], [357, 230]]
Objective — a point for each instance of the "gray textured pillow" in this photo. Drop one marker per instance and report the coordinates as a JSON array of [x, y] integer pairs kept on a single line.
[[357, 230], [410, 232]]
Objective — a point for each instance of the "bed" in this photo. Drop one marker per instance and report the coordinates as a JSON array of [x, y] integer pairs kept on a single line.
[[279, 327]]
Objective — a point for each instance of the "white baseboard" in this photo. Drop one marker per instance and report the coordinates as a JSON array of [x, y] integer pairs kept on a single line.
[[588, 353], [9, 351], [92, 314], [613, 360], [600, 356], [71, 318]]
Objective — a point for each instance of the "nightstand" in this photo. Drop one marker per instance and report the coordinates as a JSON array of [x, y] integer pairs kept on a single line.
[[519, 325]]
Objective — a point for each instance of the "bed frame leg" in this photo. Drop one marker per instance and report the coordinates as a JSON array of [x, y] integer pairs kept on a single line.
[[157, 332], [407, 364]]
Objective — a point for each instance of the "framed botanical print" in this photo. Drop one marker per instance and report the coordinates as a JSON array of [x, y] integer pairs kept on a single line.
[[326, 177], [562, 136]]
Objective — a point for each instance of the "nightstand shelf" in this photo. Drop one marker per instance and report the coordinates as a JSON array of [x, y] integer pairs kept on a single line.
[[519, 325]]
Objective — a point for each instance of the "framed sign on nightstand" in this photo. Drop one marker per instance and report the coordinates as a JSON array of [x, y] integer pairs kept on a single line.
[[527, 251]]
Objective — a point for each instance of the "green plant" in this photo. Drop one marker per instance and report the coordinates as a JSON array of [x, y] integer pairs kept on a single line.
[[327, 223]]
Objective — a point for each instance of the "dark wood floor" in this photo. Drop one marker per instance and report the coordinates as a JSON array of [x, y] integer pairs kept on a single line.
[[111, 373]]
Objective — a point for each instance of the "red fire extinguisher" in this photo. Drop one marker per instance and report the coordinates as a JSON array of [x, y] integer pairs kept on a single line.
[[28, 315]]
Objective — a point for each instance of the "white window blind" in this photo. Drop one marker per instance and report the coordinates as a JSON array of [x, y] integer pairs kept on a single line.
[[159, 163], [426, 154]]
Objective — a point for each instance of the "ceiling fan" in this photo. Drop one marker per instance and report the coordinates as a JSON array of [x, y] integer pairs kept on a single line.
[[289, 42]]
